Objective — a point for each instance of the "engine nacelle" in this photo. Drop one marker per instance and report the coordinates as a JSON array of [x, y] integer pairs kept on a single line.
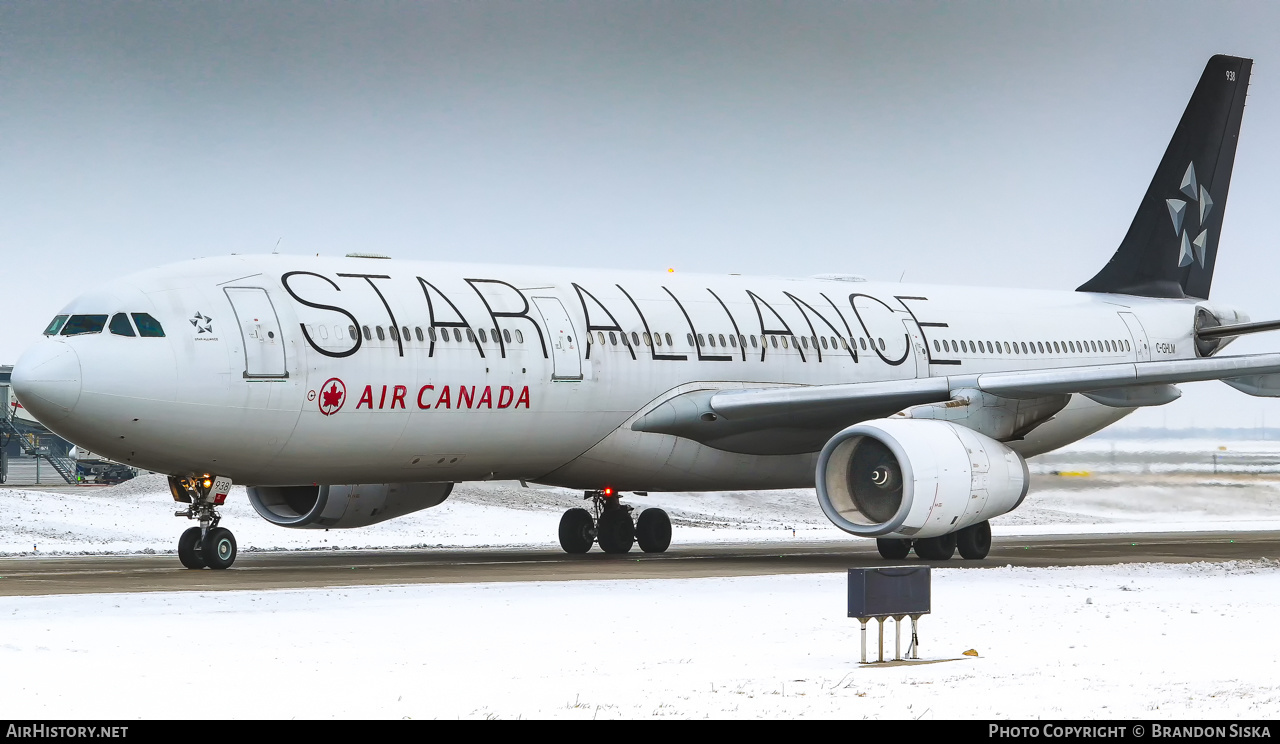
[[340, 507], [916, 478]]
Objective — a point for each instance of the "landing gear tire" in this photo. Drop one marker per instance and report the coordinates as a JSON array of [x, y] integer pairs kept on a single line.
[[653, 531], [616, 533], [974, 541], [189, 549], [939, 548], [577, 531], [219, 550], [893, 548]]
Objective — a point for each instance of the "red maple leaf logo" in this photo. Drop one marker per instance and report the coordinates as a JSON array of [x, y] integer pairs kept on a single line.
[[332, 395]]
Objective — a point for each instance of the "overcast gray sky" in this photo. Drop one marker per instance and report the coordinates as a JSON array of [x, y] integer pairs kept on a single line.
[[1003, 144]]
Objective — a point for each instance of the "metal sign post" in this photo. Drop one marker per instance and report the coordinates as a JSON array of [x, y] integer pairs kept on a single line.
[[894, 592]]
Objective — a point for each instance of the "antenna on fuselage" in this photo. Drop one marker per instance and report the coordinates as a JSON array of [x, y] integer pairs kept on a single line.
[[276, 249]]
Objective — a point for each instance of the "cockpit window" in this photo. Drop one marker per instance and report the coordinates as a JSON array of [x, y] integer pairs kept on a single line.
[[81, 324], [120, 325], [148, 327], [56, 325]]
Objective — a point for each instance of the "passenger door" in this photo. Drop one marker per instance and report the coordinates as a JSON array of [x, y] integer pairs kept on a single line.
[[565, 359], [260, 330], [1140, 343]]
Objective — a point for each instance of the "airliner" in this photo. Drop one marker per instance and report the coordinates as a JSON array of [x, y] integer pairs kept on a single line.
[[345, 391]]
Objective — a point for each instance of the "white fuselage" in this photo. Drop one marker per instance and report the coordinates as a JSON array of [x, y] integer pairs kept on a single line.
[[259, 377]]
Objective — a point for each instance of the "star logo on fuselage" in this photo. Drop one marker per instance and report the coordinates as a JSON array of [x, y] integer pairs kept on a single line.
[[1191, 249], [203, 323]]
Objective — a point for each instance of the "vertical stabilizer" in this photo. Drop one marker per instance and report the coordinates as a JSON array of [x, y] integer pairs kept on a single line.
[[1172, 245]]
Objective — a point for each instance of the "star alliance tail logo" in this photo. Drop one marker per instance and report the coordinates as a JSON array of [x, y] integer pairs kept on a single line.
[[1191, 249]]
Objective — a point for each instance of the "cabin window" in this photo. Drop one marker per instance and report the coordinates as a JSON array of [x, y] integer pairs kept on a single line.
[[668, 337], [753, 340], [519, 337], [404, 333], [711, 340], [793, 341], [506, 336], [484, 337], [55, 325], [368, 334], [120, 325], [722, 343], [804, 340], [937, 346], [600, 337], [395, 335], [648, 340], [417, 331], [733, 340], [774, 340], [1039, 346], [701, 342], [1093, 346], [1126, 345], [457, 335], [324, 331], [1056, 350], [657, 339], [625, 342], [613, 339], [635, 339], [382, 336], [844, 344]]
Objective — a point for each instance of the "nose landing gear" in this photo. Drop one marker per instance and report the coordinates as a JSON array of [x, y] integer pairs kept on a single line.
[[206, 546], [609, 524]]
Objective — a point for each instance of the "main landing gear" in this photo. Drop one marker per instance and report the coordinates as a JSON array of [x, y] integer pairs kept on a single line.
[[206, 546], [973, 541], [609, 524]]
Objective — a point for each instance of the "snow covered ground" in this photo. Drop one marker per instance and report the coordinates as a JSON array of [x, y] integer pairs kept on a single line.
[[137, 516], [1163, 642]]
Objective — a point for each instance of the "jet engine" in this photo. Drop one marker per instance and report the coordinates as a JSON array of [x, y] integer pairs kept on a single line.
[[910, 478], [340, 507]]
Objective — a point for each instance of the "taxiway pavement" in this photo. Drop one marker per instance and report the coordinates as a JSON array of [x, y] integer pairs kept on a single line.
[[30, 576]]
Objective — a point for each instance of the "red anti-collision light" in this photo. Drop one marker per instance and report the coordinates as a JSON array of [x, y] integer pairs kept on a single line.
[[608, 492]]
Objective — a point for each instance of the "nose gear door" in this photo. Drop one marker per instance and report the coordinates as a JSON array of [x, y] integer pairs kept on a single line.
[[565, 360], [260, 329]]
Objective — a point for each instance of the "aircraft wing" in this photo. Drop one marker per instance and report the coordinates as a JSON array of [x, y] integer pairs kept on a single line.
[[796, 419]]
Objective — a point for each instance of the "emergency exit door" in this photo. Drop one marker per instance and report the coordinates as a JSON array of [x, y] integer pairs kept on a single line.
[[566, 363], [260, 330]]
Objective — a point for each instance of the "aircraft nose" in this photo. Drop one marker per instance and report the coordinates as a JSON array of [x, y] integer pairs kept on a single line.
[[46, 380]]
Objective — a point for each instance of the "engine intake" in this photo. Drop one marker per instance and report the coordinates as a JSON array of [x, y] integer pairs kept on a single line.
[[341, 507], [916, 478]]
